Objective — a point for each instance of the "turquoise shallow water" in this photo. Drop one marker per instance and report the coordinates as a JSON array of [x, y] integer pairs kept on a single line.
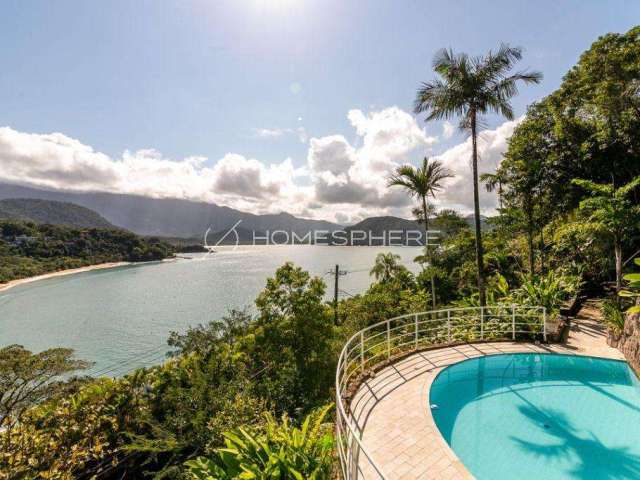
[[541, 416]]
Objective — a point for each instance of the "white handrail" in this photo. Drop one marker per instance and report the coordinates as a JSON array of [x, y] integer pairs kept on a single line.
[[486, 325]]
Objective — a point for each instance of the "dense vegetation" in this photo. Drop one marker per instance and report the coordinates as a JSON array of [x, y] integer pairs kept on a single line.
[[51, 212], [28, 249], [568, 221]]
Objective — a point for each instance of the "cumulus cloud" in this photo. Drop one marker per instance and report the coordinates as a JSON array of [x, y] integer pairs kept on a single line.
[[57, 161], [458, 191], [345, 174], [342, 180]]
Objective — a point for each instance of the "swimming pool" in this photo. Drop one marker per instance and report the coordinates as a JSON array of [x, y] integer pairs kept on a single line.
[[540, 416]]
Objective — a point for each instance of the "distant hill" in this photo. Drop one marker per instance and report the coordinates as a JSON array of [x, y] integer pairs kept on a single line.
[[483, 221], [169, 217], [52, 212], [378, 227]]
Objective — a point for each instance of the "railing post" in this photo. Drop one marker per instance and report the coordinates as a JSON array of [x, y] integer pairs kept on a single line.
[[388, 339], [481, 323], [416, 319], [513, 322], [362, 352], [449, 325], [544, 324]]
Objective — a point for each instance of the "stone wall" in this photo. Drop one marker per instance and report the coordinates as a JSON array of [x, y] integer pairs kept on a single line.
[[630, 341]]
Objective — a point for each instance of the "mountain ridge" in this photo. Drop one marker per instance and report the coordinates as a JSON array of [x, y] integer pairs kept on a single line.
[[52, 212], [168, 217]]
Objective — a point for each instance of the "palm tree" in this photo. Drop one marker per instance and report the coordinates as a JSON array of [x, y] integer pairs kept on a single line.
[[421, 183], [493, 181], [386, 267], [470, 87]]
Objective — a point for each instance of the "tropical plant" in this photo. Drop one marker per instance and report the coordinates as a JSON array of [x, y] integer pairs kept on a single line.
[[494, 181], [470, 87], [421, 183], [386, 267], [632, 290], [27, 379], [279, 451], [79, 435], [548, 291], [613, 315], [612, 210]]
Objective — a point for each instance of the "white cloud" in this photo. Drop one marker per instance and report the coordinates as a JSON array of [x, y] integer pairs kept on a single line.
[[342, 180], [272, 133], [448, 129], [458, 191], [269, 132], [344, 174], [60, 162]]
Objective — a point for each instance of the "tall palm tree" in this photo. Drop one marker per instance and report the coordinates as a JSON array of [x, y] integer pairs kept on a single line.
[[470, 87], [421, 183]]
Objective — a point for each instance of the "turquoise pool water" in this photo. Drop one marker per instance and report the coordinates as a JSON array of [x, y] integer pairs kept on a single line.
[[541, 416]]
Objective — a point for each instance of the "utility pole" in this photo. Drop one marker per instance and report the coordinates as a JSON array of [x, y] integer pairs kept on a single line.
[[337, 274]]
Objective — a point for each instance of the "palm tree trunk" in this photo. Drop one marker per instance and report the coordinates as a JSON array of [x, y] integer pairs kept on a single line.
[[618, 249], [428, 250], [529, 213], [542, 254], [476, 209]]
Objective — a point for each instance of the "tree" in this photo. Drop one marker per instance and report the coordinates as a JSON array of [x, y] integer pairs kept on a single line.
[[27, 379], [203, 339], [470, 87], [421, 183], [294, 334], [611, 209], [387, 267]]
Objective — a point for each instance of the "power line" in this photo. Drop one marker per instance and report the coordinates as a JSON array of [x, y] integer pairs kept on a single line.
[[129, 361]]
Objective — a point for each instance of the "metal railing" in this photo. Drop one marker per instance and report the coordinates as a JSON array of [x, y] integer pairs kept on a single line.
[[379, 344]]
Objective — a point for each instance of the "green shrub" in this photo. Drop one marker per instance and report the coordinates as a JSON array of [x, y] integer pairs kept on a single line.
[[280, 451], [613, 315], [548, 291], [632, 289]]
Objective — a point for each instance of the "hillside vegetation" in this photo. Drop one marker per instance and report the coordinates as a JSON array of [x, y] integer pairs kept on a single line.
[[52, 212], [28, 249]]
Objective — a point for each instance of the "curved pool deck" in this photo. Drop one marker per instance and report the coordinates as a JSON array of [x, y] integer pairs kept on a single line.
[[391, 407]]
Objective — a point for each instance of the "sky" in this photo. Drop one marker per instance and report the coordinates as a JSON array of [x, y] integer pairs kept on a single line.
[[302, 106]]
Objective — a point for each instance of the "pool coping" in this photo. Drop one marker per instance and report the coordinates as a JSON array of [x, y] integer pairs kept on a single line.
[[391, 409]]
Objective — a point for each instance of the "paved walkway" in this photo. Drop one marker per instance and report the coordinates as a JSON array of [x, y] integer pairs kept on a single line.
[[399, 431]]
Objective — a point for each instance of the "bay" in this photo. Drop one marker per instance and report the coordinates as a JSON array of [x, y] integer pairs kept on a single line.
[[120, 318]]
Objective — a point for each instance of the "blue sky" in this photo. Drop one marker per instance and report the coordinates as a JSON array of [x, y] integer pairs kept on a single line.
[[259, 78]]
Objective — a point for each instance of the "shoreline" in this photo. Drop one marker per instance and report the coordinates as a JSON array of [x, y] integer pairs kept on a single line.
[[61, 273]]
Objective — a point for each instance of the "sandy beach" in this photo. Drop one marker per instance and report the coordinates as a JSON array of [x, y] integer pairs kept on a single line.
[[60, 273]]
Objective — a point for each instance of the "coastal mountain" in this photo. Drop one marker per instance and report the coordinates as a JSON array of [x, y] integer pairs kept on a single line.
[[51, 212], [377, 231], [169, 217]]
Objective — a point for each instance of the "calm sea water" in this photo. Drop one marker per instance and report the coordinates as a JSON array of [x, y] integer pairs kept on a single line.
[[120, 318]]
